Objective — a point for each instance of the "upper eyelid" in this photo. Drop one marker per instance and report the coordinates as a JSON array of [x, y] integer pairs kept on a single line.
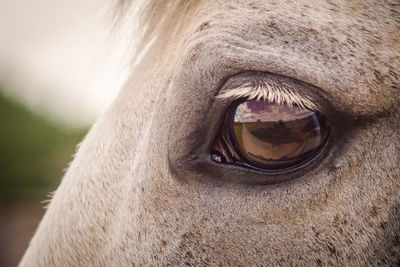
[[271, 90]]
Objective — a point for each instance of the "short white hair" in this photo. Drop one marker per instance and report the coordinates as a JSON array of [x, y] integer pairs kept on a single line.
[[271, 91]]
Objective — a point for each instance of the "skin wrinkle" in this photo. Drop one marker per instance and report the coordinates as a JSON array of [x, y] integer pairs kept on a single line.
[[207, 42], [120, 205]]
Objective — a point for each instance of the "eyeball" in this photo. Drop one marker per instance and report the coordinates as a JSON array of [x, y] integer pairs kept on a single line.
[[270, 137]]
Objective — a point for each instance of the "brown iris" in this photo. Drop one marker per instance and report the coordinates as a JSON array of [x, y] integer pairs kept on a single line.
[[270, 136]]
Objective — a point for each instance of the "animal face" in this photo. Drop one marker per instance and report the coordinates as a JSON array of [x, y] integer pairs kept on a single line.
[[143, 188]]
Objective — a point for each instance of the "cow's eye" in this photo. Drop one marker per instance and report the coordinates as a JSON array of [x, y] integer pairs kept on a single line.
[[270, 137]]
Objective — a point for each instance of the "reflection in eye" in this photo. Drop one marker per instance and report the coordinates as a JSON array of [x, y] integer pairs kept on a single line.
[[270, 136]]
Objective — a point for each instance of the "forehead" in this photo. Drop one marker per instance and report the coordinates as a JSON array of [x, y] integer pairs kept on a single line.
[[380, 17], [350, 49]]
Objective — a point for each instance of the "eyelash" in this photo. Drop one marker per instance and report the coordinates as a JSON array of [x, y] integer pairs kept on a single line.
[[270, 93], [270, 87]]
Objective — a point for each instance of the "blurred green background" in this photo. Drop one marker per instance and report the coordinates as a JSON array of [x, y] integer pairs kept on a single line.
[[61, 65], [34, 153]]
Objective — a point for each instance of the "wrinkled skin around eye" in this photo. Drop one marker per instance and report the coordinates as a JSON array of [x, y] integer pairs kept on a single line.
[[274, 137]]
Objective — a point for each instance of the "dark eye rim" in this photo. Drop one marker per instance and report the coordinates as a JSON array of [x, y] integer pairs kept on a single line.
[[227, 137], [195, 146]]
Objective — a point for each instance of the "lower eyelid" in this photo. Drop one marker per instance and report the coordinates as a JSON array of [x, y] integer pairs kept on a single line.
[[205, 167]]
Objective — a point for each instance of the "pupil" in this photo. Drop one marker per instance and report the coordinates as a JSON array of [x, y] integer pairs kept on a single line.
[[272, 136]]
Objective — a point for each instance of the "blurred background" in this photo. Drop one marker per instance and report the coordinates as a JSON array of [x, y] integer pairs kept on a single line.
[[61, 65]]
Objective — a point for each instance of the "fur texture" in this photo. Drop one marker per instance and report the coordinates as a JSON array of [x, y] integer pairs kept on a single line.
[[140, 191]]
